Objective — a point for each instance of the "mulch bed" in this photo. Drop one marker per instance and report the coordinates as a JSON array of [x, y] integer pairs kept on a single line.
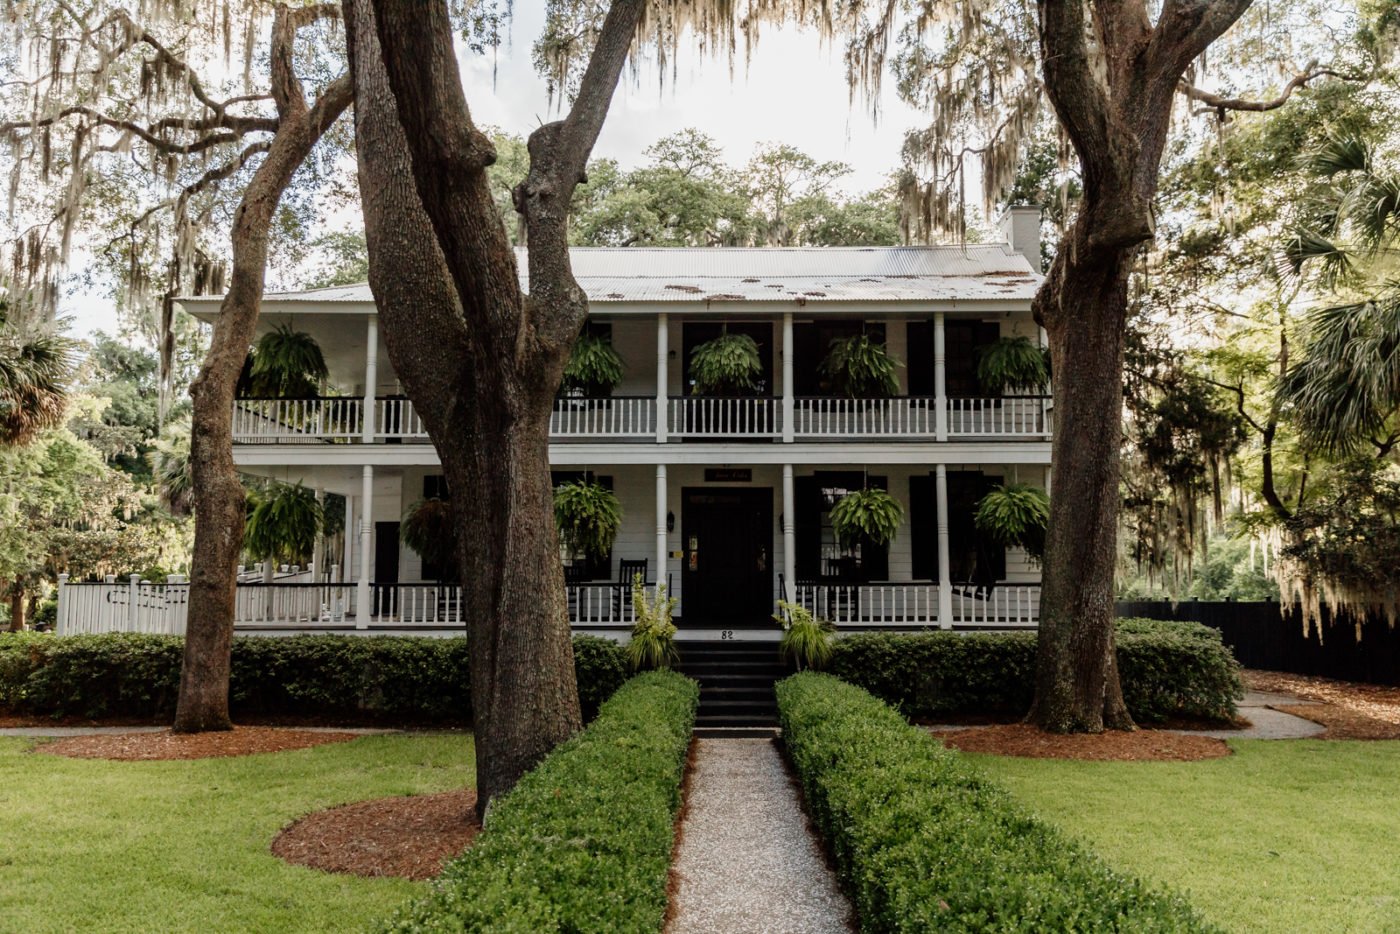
[[410, 837], [1349, 709], [1342, 723], [1021, 739], [240, 741]]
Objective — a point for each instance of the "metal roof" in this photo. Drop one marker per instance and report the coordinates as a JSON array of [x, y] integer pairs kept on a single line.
[[974, 272]]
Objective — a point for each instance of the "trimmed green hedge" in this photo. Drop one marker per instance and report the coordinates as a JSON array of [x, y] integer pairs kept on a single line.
[[1167, 669], [389, 678], [923, 842], [583, 842]]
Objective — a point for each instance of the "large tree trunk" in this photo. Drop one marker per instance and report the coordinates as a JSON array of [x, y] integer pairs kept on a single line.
[[1114, 102], [490, 424], [480, 359], [1077, 687], [17, 605], [218, 493]]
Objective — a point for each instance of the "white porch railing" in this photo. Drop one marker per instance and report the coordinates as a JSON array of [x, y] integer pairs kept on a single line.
[[915, 604], [138, 606], [1002, 605], [837, 417], [394, 417], [297, 420], [332, 420], [1006, 417], [609, 417], [871, 605], [725, 416]]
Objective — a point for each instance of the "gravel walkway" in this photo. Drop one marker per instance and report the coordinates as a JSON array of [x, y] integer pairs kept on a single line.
[[747, 861]]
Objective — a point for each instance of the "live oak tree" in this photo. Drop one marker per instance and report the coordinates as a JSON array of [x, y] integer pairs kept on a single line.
[[480, 357], [1112, 73], [104, 84]]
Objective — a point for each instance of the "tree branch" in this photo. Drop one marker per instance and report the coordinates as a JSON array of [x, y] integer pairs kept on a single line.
[[1219, 103]]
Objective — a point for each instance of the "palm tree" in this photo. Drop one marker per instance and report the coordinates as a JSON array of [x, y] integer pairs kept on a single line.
[[170, 462], [35, 368], [1344, 392]]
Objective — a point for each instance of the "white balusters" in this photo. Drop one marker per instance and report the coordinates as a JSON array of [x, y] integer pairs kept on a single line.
[[722, 416], [1010, 416], [609, 417]]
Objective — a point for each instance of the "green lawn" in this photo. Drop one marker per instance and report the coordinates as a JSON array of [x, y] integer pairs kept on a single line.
[[1282, 836], [90, 845]]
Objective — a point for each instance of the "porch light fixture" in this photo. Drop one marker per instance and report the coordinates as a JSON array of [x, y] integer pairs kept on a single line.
[[670, 522]]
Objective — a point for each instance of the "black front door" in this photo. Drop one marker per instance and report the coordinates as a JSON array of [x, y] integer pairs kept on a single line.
[[727, 569], [386, 566]]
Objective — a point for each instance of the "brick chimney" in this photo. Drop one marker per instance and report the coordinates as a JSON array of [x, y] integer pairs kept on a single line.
[[1020, 225]]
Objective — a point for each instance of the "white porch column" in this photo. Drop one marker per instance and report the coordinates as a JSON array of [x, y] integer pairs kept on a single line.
[[789, 405], [789, 534], [940, 380], [318, 551], [371, 376], [945, 585], [661, 550], [347, 533], [663, 353], [363, 609]]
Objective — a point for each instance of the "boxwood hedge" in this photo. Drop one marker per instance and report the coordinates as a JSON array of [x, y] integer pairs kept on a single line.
[[923, 842], [1167, 669], [583, 842], [389, 678]]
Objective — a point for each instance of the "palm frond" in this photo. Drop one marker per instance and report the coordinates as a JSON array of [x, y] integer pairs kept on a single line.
[[1340, 154], [170, 462]]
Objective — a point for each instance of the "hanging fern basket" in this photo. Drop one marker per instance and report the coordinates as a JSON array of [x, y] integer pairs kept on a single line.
[[1012, 365], [594, 369], [726, 366], [587, 515], [869, 516], [861, 368], [1015, 516]]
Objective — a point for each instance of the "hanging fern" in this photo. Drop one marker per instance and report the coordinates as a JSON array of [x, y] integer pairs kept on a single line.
[[287, 364], [866, 516], [594, 367], [727, 365], [283, 523], [1015, 516], [861, 368], [587, 516], [429, 529], [1012, 364]]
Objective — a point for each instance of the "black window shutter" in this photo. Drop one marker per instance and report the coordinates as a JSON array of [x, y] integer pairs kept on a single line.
[[807, 496], [923, 528], [875, 559]]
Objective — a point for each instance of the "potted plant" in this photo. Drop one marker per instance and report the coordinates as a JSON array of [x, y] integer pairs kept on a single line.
[[861, 368], [587, 515], [283, 522], [1012, 364], [594, 368], [284, 364], [653, 642], [428, 528], [868, 516], [1015, 516], [729, 365], [806, 638]]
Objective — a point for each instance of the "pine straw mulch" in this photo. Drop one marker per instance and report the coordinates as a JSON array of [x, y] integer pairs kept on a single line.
[[410, 837], [1022, 739], [140, 747], [1349, 709]]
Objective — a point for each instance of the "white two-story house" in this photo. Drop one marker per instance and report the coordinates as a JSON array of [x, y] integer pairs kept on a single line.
[[726, 499]]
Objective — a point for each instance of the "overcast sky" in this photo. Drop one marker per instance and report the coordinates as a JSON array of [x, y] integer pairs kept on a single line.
[[792, 90]]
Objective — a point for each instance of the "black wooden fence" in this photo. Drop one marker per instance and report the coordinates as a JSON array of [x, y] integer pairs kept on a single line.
[[1261, 637]]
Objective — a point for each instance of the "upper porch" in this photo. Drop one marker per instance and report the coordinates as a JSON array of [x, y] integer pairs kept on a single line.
[[931, 313]]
